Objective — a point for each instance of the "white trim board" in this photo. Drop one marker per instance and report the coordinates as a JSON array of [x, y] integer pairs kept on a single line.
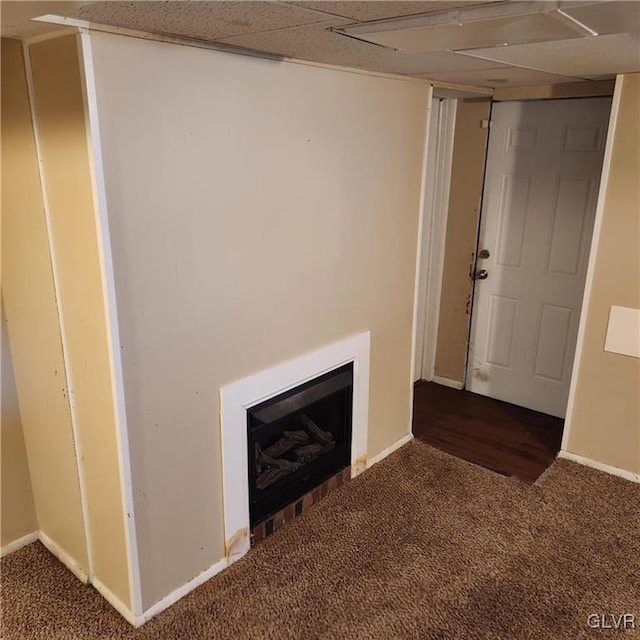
[[182, 591], [133, 619], [600, 466], [64, 557], [419, 293], [18, 543], [591, 267], [115, 602], [434, 230], [237, 397], [111, 320]]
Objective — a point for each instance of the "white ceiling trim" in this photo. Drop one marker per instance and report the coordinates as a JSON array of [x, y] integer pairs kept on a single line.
[[565, 16], [84, 26], [145, 35]]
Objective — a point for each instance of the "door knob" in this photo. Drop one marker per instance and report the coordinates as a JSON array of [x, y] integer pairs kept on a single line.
[[484, 254], [482, 274]]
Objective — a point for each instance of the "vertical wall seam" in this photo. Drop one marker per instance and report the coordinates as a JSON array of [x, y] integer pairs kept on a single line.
[[591, 268], [111, 316], [59, 309]]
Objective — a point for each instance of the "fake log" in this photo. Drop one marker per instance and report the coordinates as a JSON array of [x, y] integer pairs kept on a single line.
[[291, 452], [270, 469], [316, 433], [300, 436], [309, 452]]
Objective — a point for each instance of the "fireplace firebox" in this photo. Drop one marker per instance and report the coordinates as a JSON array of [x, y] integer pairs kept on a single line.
[[298, 439]]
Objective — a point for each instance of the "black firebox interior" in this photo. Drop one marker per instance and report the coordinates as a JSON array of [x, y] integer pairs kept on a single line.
[[297, 440]]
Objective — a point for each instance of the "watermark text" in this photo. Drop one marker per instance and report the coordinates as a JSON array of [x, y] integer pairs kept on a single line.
[[612, 621]]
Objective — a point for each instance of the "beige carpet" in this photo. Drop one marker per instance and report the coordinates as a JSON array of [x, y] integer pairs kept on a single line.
[[422, 546]]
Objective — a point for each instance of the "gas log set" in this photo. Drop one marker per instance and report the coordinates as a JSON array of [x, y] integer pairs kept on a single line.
[[297, 439], [292, 451]]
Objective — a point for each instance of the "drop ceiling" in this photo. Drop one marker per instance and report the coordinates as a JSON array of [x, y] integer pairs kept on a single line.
[[481, 43]]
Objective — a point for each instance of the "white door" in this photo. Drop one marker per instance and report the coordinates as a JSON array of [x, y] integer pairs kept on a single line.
[[543, 174]]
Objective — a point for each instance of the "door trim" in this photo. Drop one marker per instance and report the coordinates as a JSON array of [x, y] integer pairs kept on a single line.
[[433, 237], [588, 285]]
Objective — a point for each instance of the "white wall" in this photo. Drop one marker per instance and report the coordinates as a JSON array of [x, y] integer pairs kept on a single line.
[[258, 210]]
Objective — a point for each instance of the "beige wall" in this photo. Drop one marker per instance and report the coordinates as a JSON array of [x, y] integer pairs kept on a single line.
[[467, 176], [34, 332], [18, 517], [58, 88], [604, 423], [258, 210]]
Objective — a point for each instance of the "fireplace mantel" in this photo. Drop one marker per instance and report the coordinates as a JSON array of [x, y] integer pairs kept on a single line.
[[237, 397]]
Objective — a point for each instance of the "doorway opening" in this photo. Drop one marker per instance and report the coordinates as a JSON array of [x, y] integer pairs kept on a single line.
[[507, 347]]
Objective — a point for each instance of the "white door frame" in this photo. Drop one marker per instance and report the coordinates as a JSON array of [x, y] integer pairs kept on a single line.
[[431, 260], [433, 235], [588, 285]]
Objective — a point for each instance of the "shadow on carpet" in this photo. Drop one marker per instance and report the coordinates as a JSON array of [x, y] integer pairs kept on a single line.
[[422, 546]]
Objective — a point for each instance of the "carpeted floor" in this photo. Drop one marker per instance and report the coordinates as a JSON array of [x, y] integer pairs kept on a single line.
[[422, 546]]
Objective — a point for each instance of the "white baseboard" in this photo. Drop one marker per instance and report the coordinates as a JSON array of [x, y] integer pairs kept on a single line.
[[14, 545], [64, 557], [103, 590], [115, 602], [448, 382], [389, 450], [600, 466], [180, 592], [175, 595]]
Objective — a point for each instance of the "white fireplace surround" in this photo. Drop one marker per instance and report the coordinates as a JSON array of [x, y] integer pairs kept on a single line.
[[237, 397]]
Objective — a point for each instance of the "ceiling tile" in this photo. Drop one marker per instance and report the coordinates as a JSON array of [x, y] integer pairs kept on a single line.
[[583, 57], [300, 30], [202, 20], [608, 17], [461, 34], [498, 77], [467, 35], [381, 9], [317, 43]]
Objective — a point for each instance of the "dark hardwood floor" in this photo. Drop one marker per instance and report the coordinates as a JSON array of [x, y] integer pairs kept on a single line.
[[510, 440]]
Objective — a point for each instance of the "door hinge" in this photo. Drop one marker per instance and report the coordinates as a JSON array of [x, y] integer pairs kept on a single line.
[[485, 124]]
